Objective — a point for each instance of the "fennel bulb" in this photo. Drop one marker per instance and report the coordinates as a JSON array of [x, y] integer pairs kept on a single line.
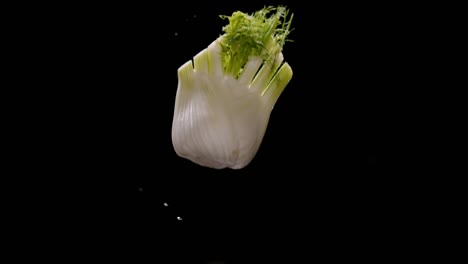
[[225, 96]]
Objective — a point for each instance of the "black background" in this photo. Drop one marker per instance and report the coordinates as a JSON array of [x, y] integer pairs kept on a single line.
[[110, 75]]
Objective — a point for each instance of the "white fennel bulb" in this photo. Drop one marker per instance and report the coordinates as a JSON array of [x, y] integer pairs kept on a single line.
[[226, 94]]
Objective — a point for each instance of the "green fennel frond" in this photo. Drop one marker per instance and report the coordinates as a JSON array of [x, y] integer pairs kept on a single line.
[[262, 33]]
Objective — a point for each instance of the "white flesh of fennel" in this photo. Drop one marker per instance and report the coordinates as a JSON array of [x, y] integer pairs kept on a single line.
[[219, 121]]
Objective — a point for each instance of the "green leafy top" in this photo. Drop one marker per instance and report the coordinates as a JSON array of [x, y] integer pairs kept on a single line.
[[262, 33]]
